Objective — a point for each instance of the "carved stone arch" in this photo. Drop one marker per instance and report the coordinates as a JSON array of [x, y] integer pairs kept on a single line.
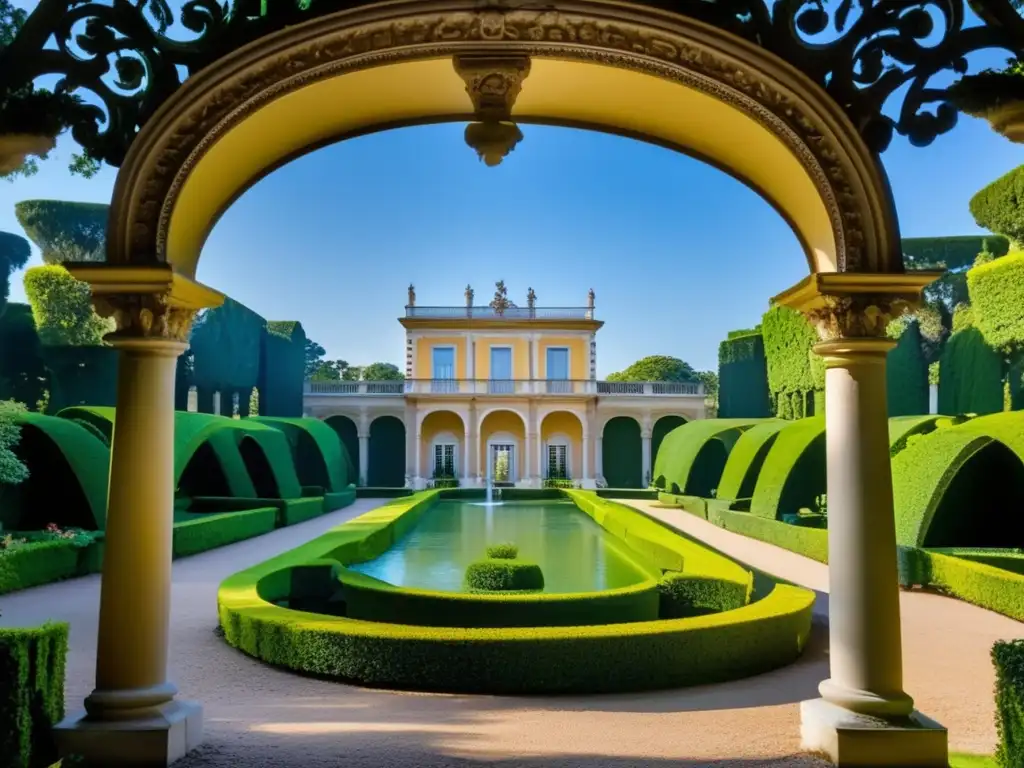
[[825, 181]]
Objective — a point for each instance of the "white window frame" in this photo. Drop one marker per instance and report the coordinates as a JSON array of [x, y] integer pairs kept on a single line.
[[558, 441], [442, 445], [455, 361], [506, 386]]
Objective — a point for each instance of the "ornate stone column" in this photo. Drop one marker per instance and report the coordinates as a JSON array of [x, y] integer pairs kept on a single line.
[[585, 450], [132, 716], [363, 435], [864, 717]]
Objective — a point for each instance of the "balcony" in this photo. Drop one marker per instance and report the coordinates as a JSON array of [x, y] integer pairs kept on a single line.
[[505, 387], [510, 313]]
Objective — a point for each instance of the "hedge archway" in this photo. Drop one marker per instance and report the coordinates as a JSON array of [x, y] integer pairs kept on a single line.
[[660, 431], [317, 450], [387, 453], [622, 461], [260, 471], [793, 474], [746, 460], [67, 483], [693, 456], [347, 430]]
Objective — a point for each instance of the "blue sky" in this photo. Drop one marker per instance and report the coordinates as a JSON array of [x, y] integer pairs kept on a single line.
[[677, 252]]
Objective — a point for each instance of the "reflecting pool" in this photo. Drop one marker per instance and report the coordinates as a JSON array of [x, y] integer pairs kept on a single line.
[[574, 552]]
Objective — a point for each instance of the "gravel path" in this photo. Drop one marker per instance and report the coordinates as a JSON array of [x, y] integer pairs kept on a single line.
[[257, 716]]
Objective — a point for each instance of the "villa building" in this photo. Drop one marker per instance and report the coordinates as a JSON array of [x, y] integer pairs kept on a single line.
[[507, 392]]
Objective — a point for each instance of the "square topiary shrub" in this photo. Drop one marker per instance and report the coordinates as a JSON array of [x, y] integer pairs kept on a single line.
[[685, 595], [1008, 657], [503, 552], [31, 694], [504, 576]]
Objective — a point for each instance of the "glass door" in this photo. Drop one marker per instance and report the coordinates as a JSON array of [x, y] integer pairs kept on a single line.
[[558, 464], [558, 371], [443, 370], [501, 371], [444, 460], [503, 463]]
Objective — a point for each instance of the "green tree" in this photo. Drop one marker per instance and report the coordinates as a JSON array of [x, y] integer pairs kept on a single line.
[[65, 231], [314, 355], [710, 381], [382, 372], [12, 469], [656, 368], [62, 308], [254, 402], [14, 253]]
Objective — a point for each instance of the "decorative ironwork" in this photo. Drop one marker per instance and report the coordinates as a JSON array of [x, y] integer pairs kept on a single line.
[[126, 58]]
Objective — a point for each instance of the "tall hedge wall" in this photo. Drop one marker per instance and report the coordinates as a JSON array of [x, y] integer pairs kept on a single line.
[[282, 368], [23, 375], [743, 377], [997, 296], [971, 374], [81, 376], [796, 376], [954, 252], [907, 375], [226, 347]]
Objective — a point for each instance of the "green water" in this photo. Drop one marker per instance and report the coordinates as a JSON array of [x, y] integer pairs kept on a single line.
[[574, 552]]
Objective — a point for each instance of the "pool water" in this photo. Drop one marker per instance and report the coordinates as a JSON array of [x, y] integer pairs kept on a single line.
[[574, 552]]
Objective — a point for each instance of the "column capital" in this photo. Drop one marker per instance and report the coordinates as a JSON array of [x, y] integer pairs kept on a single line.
[[848, 306], [148, 303]]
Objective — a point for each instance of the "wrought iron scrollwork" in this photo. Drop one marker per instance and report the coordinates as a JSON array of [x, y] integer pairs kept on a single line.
[[122, 56]]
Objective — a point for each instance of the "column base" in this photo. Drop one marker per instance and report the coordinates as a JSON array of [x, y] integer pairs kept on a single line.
[[167, 734], [851, 740]]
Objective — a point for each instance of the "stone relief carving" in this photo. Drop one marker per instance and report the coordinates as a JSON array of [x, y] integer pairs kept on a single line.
[[146, 316], [858, 317], [613, 43]]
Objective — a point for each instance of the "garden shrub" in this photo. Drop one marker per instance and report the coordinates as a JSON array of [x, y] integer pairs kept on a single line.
[[369, 599], [746, 459], [503, 552], [634, 656], [997, 294], [32, 663], [743, 377], [906, 375], [963, 573], [34, 563], [793, 473], [195, 533], [997, 206], [809, 542], [685, 595], [282, 368], [1008, 659], [495, 575], [795, 372]]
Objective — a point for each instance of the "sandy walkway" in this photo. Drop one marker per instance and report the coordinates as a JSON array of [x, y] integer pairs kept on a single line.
[[257, 716]]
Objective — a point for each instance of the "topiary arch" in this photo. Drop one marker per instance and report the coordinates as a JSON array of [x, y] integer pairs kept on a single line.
[[622, 453], [793, 474], [387, 453], [317, 450], [963, 486], [746, 459], [67, 482], [693, 456]]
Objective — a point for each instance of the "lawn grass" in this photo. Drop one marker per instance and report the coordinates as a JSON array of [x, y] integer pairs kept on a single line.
[[961, 760]]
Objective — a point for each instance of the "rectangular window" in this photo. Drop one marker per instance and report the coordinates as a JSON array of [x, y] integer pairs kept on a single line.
[[558, 467], [503, 467], [444, 460], [501, 371], [443, 370], [558, 371]]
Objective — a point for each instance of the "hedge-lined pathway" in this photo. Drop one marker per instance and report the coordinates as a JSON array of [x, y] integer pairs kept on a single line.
[[257, 716]]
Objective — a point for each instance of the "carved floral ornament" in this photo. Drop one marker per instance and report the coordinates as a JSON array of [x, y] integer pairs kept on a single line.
[[146, 316], [863, 316]]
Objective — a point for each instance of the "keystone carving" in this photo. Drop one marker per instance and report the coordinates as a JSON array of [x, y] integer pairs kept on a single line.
[[492, 83]]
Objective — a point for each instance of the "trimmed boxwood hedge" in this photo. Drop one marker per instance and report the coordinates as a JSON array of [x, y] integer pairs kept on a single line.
[[796, 375], [634, 656], [32, 663], [970, 374], [997, 295], [746, 459], [906, 375], [693, 456], [793, 473], [683, 595], [194, 533], [1008, 659], [809, 542], [903, 428], [976, 576], [369, 599], [503, 575]]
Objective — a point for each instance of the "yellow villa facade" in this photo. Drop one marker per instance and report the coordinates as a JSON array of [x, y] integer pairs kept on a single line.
[[507, 392]]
